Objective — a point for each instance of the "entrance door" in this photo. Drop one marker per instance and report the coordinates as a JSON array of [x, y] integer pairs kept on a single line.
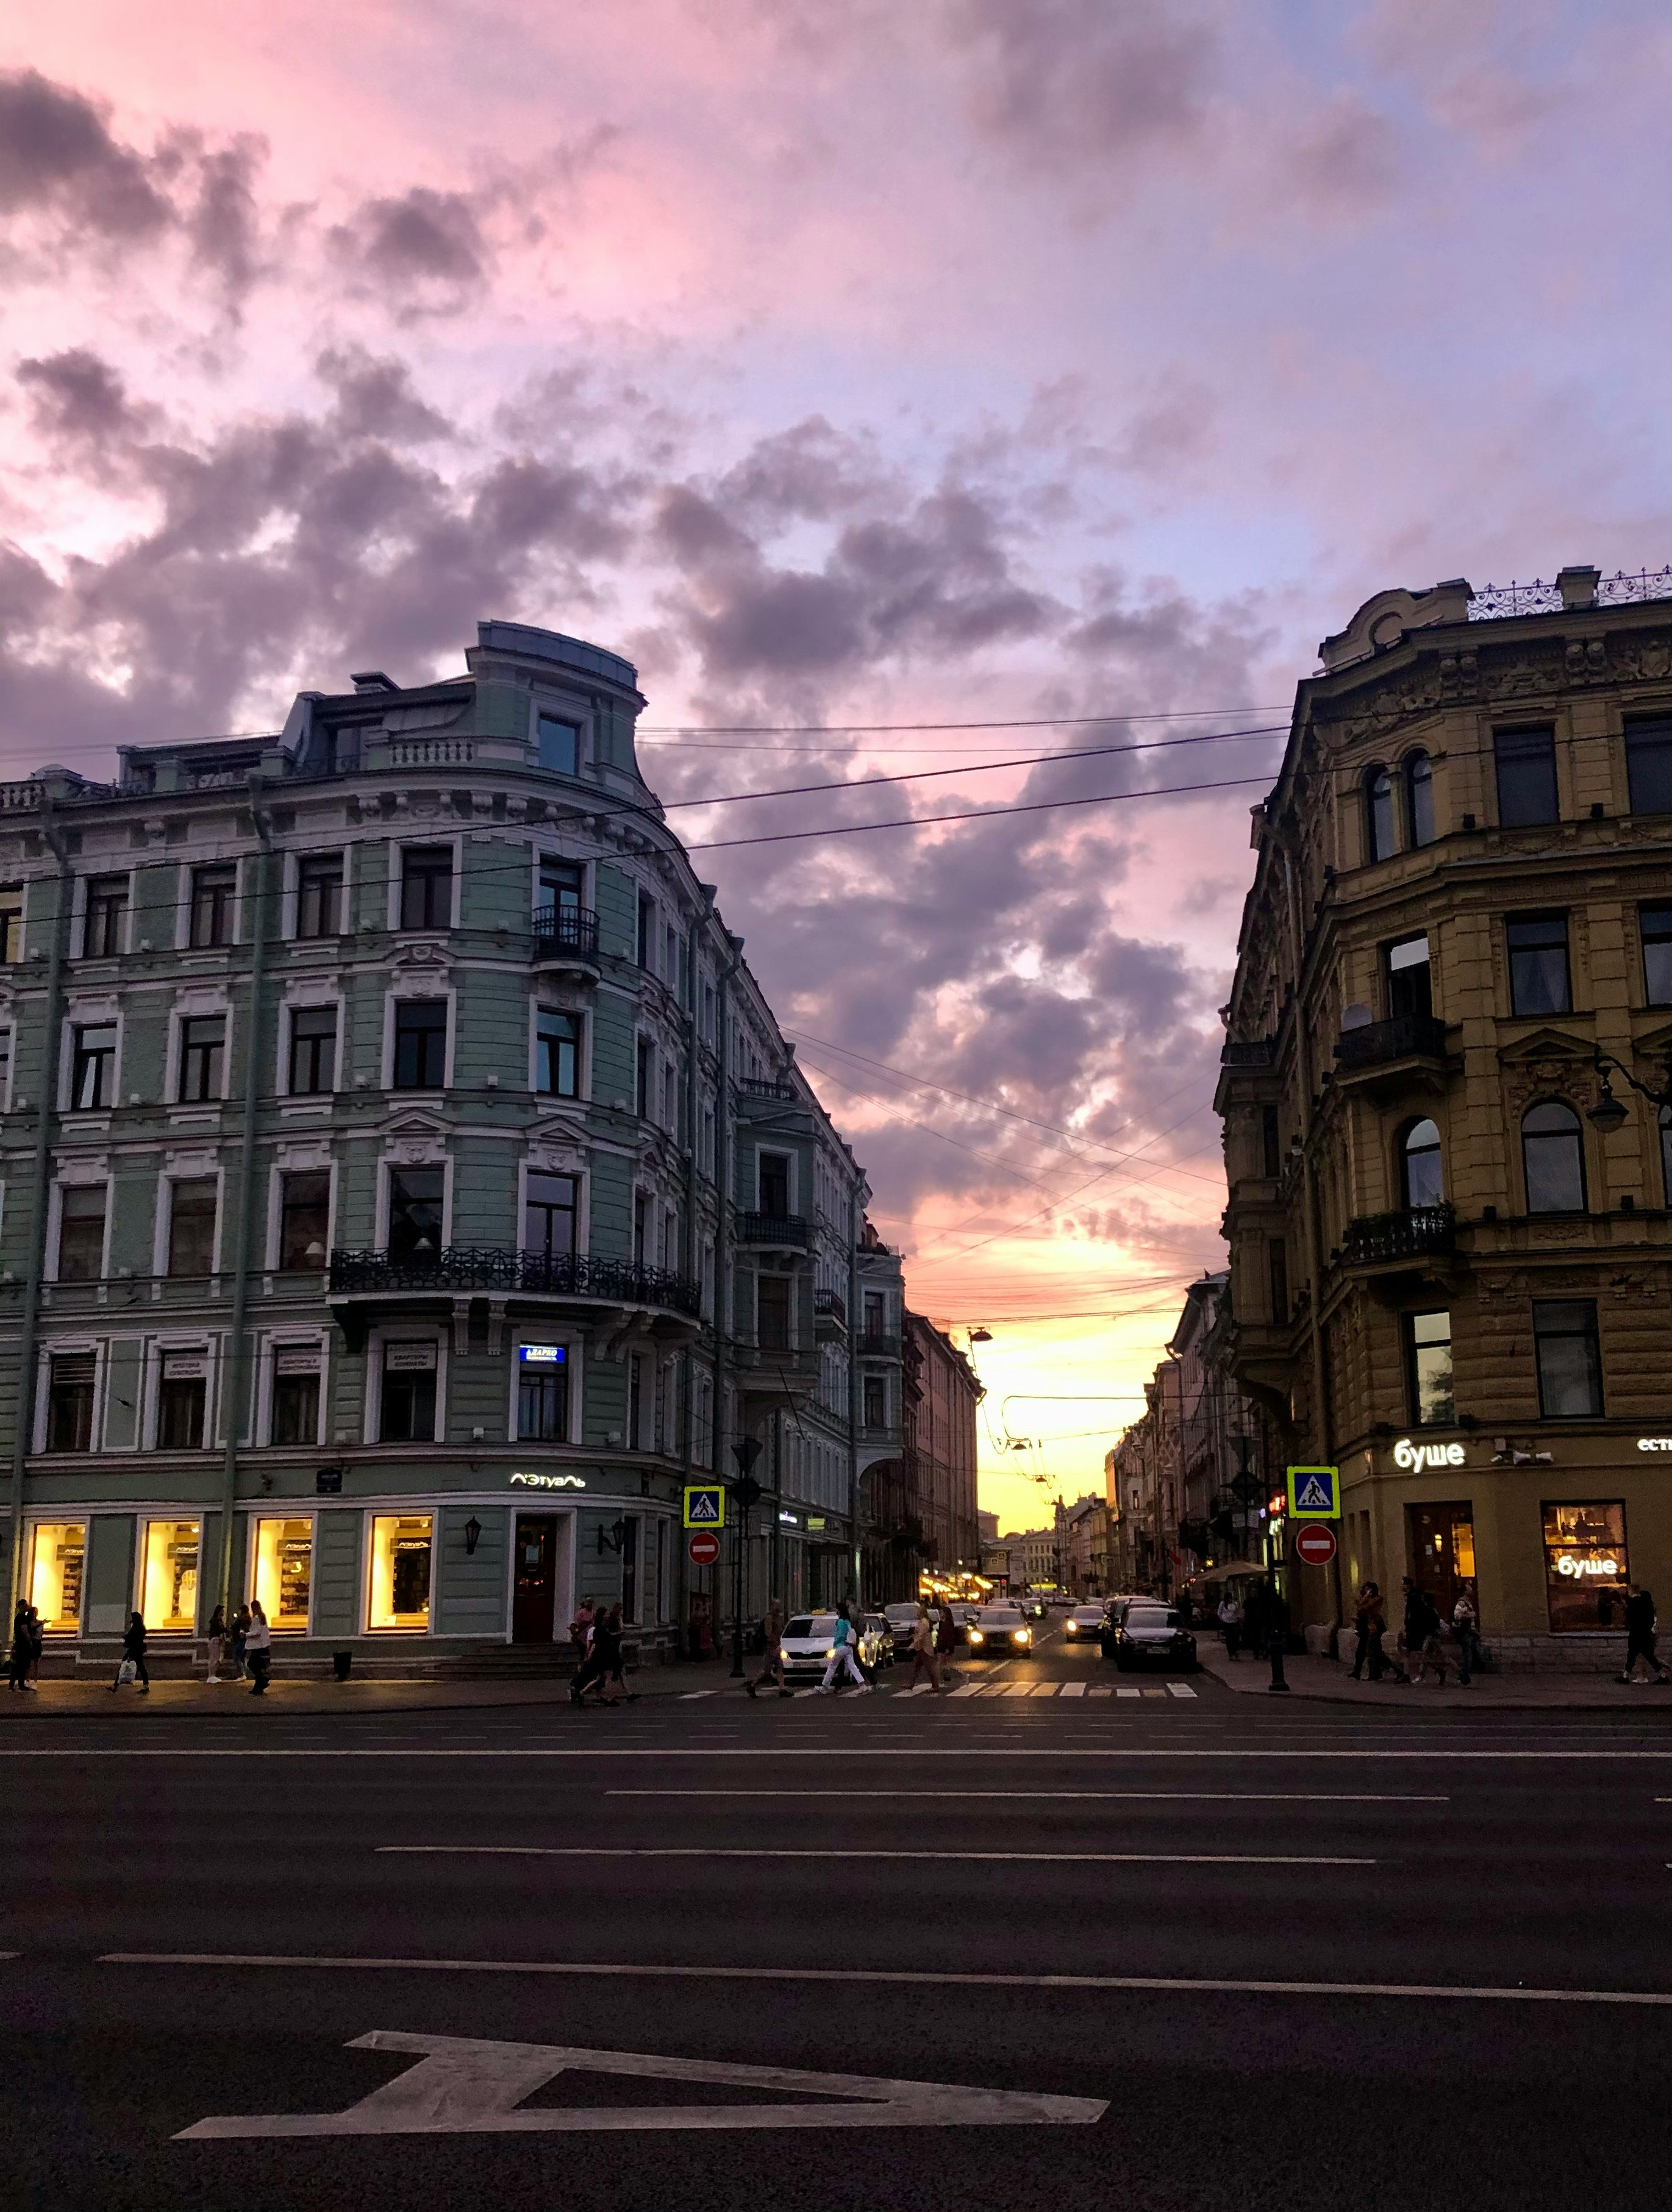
[[534, 1590], [1442, 1551]]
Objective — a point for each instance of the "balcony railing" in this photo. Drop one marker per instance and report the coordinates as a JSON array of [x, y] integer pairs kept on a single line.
[[1255, 1051], [790, 1229], [877, 1344], [1417, 1232], [1404, 1037], [830, 1305], [526, 1275], [759, 1086], [1492, 602], [564, 929]]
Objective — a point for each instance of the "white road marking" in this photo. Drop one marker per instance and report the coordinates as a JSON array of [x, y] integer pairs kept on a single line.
[[1100, 1690], [685, 1696], [1046, 1689], [1166, 1984], [751, 1852], [1017, 1690], [1073, 1689], [969, 1690], [1129, 1694], [1067, 1749], [463, 2087], [1181, 1689], [1102, 1797]]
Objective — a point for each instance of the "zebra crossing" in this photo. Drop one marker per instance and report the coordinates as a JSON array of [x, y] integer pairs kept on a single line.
[[1005, 1690]]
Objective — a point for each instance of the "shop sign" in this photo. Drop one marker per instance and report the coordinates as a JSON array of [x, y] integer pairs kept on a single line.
[[548, 1481], [185, 1366], [543, 1355], [1418, 1456], [1654, 1444], [815, 1521], [409, 1359], [1567, 1563], [790, 1520], [296, 1359]]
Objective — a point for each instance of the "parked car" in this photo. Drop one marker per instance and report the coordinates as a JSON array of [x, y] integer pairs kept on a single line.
[[1148, 1634], [902, 1621], [1000, 1631], [810, 1638], [1083, 1624]]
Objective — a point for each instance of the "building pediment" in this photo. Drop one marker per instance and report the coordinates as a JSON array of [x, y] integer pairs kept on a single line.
[[415, 1122], [1546, 1044]]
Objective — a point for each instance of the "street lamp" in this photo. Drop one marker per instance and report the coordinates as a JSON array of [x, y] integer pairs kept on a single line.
[[745, 1493], [472, 1536], [1609, 1113]]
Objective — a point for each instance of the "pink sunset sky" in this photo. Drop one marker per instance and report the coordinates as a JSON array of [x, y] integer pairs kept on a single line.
[[983, 360]]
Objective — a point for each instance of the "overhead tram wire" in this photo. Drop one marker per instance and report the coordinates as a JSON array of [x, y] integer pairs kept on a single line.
[[667, 732]]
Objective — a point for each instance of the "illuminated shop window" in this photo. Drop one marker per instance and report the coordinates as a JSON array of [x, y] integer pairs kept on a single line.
[[401, 1545], [169, 1589], [285, 1572], [1585, 1566], [56, 1565]]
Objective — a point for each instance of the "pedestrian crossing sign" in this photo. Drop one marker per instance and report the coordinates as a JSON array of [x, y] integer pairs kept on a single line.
[[705, 1505], [1315, 1493]]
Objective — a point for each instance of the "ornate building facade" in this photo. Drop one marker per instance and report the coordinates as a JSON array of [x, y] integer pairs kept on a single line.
[[1450, 1242]]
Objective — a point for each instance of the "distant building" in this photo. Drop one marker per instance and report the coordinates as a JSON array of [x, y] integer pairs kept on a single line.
[[921, 1516]]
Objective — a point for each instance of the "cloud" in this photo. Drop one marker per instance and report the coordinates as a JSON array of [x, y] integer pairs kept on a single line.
[[80, 402], [420, 252]]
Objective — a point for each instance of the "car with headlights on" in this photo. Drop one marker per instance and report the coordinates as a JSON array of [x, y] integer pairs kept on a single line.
[[810, 1638], [1149, 1634], [1083, 1624], [901, 1625], [1000, 1631]]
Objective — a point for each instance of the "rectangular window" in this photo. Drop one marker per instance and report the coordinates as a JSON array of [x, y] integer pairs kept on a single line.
[[641, 1229], [191, 1227], [772, 1294], [644, 1062], [559, 745], [214, 894], [647, 942], [407, 1409], [107, 920], [1539, 981], [1586, 1570], [82, 1232], [92, 1067], [202, 1056], [1648, 764], [1526, 763], [1569, 1359], [181, 1395], [876, 1402], [557, 1053], [71, 1377], [295, 1415], [319, 896], [304, 1219], [1277, 1270], [1428, 1368], [543, 1393], [670, 956], [1656, 923], [421, 1045], [774, 1180], [416, 1197], [562, 886], [168, 1583], [1410, 987], [11, 927], [629, 1567], [1271, 1149], [57, 1569], [426, 887], [548, 1215], [5, 1065], [285, 1573], [312, 1050], [876, 1315], [401, 1546], [636, 1402]]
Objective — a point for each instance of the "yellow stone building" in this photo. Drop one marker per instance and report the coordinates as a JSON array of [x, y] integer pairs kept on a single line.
[[1450, 1242]]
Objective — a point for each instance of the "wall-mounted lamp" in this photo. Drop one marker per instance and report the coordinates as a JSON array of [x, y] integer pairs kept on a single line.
[[613, 1538], [472, 1536]]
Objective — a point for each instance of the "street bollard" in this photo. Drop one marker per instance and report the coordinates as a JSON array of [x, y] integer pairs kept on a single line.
[[1277, 1681]]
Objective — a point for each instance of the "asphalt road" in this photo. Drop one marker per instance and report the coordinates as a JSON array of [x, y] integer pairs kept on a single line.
[[1171, 1952]]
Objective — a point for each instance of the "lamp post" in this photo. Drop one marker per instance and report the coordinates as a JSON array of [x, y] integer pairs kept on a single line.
[[746, 1493], [1609, 1113]]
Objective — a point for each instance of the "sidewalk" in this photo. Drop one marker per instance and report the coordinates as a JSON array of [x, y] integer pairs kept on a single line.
[[56, 1698], [1328, 1678]]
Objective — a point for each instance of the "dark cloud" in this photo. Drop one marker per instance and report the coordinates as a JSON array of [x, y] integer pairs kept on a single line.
[[375, 399], [78, 401], [1344, 162], [1065, 82], [421, 252]]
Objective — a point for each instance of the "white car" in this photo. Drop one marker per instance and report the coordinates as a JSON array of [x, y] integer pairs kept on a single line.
[[810, 1638], [1083, 1625], [1000, 1631]]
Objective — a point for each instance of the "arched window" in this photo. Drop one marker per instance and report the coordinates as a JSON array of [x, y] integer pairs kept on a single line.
[[1419, 800], [1554, 1156], [1378, 814], [1420, 1169]]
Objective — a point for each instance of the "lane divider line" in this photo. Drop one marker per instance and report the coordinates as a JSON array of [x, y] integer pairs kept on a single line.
[[742, 1851], [1172, 1984], [1067, 1749], [1101, 1797]]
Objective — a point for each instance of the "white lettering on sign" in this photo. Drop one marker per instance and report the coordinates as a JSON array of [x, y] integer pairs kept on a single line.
[[550, 1481], [185, 1366], [1567, 1565], [544, 1355], [1418, 1456], [1654, 1444], [409, 1359], [463, 2087]]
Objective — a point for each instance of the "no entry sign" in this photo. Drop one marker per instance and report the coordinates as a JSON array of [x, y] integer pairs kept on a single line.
[[1316, 1546], [704, 1549]]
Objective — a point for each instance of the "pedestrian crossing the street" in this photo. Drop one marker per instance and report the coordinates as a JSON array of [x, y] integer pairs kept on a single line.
[[1006, 1690]]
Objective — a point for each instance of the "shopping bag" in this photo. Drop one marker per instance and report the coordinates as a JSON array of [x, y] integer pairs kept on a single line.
[[126, 1671]]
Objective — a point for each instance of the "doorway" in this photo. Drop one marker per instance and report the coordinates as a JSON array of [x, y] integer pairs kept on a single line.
[[534, 1579], [1442, 1546]]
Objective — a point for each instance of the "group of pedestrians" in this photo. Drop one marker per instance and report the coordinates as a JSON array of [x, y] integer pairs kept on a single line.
[[241, 1649], [596, 1630], [28, 1642], [1418, 1647]]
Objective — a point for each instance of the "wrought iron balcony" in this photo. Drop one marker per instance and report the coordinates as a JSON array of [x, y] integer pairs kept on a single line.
[[789, 1230], [1406, 1036], [1417, 1232], [760, 1086], [561, 929], [464, 1267], [829, 1313], [877, 1344], [1253, 1052]]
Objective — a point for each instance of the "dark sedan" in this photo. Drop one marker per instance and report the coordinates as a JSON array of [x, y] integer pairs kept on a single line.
[[1149, 1635]]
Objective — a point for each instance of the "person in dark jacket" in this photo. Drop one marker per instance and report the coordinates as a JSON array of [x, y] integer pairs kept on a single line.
[[1640, 1634], [1422, 1633], [23, 1647], [1370, 1622], [133, 1647]]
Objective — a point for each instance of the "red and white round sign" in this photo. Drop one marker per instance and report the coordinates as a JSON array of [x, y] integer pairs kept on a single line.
[[1316, 1546], [704, 1549]]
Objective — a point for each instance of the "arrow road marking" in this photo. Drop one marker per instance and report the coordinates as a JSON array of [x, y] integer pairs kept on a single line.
[[462, 2087]]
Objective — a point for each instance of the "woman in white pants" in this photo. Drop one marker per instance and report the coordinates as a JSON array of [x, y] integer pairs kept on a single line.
[[842, 1654]]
